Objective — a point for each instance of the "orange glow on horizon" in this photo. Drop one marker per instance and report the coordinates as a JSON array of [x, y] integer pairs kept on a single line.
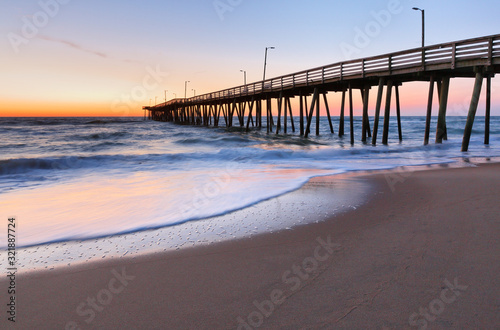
[[16, 108], [413, 103]]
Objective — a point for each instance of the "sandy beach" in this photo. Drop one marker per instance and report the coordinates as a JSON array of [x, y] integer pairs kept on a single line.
[[422, 253]]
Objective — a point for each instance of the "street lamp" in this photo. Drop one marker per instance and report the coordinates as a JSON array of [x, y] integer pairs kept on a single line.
[[423, 25], [265, 63], [245, 75], [185, 88], [194, 92], [175, 95], [165, 96]]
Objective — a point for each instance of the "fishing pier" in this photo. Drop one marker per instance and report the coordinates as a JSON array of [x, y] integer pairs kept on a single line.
[[477, 58]]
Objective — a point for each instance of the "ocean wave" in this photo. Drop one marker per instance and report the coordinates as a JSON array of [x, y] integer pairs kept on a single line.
[[111, 121], [24, 165]]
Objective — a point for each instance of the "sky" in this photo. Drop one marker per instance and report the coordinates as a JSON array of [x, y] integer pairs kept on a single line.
[[109, 58]]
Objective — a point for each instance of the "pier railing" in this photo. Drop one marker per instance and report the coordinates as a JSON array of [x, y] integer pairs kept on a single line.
[[466, 53]]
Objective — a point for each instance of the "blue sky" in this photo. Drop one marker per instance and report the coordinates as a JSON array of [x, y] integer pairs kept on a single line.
[[96, 52]]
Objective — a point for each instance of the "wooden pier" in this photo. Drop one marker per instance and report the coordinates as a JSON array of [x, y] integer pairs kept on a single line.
[[477, 58]]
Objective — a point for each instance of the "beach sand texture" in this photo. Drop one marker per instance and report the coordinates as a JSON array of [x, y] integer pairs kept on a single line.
[[422, 253]]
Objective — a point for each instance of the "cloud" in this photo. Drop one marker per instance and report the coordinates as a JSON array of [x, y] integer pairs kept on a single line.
[[73, 45], [82, 49]]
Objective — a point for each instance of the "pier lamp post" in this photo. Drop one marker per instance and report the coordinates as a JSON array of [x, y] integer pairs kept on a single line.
[[185, 88], [244, 76], [175, 95], [156, 97], [194, 92], [423, 34], [265, 63], [423, 25], [165, 96]]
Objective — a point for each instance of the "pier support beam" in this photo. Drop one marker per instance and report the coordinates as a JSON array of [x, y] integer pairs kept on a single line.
[[443, 103], [487, 113], [310, 115], [301, 115], [291, 114], [259, 112], [472, 110], [278, 121], [341, 121], [306, 107], [285, 115], [387, 114], [250, 109], [317, 115], [268, 115], [366, 122], [429, 111], [398, 113], [351, 113], [380, 91], [328, 112]]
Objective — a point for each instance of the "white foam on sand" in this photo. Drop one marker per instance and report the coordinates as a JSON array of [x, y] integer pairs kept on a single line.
[[316, 201]]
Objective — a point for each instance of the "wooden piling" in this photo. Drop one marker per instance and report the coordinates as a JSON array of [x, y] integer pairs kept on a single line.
[[398, 113], [305, 109], [271, 120], [250, 108], [301, 114], [341, 121], [291, 114], [472, 110], [233, 109], [225, 111], [317, 115], [278, 121], [268, 116], [429, 111], [259, 112], [241, 116], [328, 112], [365, 123], [285, 117], [387, 114], [377, 109], [487, 112], [351, 114], [443, 103], [310, 115]]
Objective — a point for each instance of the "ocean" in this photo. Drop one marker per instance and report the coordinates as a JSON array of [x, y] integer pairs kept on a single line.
[[76, 181]]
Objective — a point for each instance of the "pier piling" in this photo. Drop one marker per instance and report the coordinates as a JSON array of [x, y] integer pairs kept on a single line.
[[472, 110], [443, 103], [429, 111], [351, 115], [387, 114], [377, 109], [342, 119], [487, 111]]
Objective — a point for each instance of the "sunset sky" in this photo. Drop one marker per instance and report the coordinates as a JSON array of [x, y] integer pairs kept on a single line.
[[109, 58]]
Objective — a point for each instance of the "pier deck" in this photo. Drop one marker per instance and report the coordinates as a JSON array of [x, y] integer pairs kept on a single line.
[[477, 58]]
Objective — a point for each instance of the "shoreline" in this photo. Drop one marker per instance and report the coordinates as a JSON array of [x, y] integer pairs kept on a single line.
[[348, 192], [61, 254], [387, 259], [351, 190]]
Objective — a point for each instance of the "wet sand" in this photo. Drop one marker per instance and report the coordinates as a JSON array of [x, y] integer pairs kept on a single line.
[[423, 252]]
